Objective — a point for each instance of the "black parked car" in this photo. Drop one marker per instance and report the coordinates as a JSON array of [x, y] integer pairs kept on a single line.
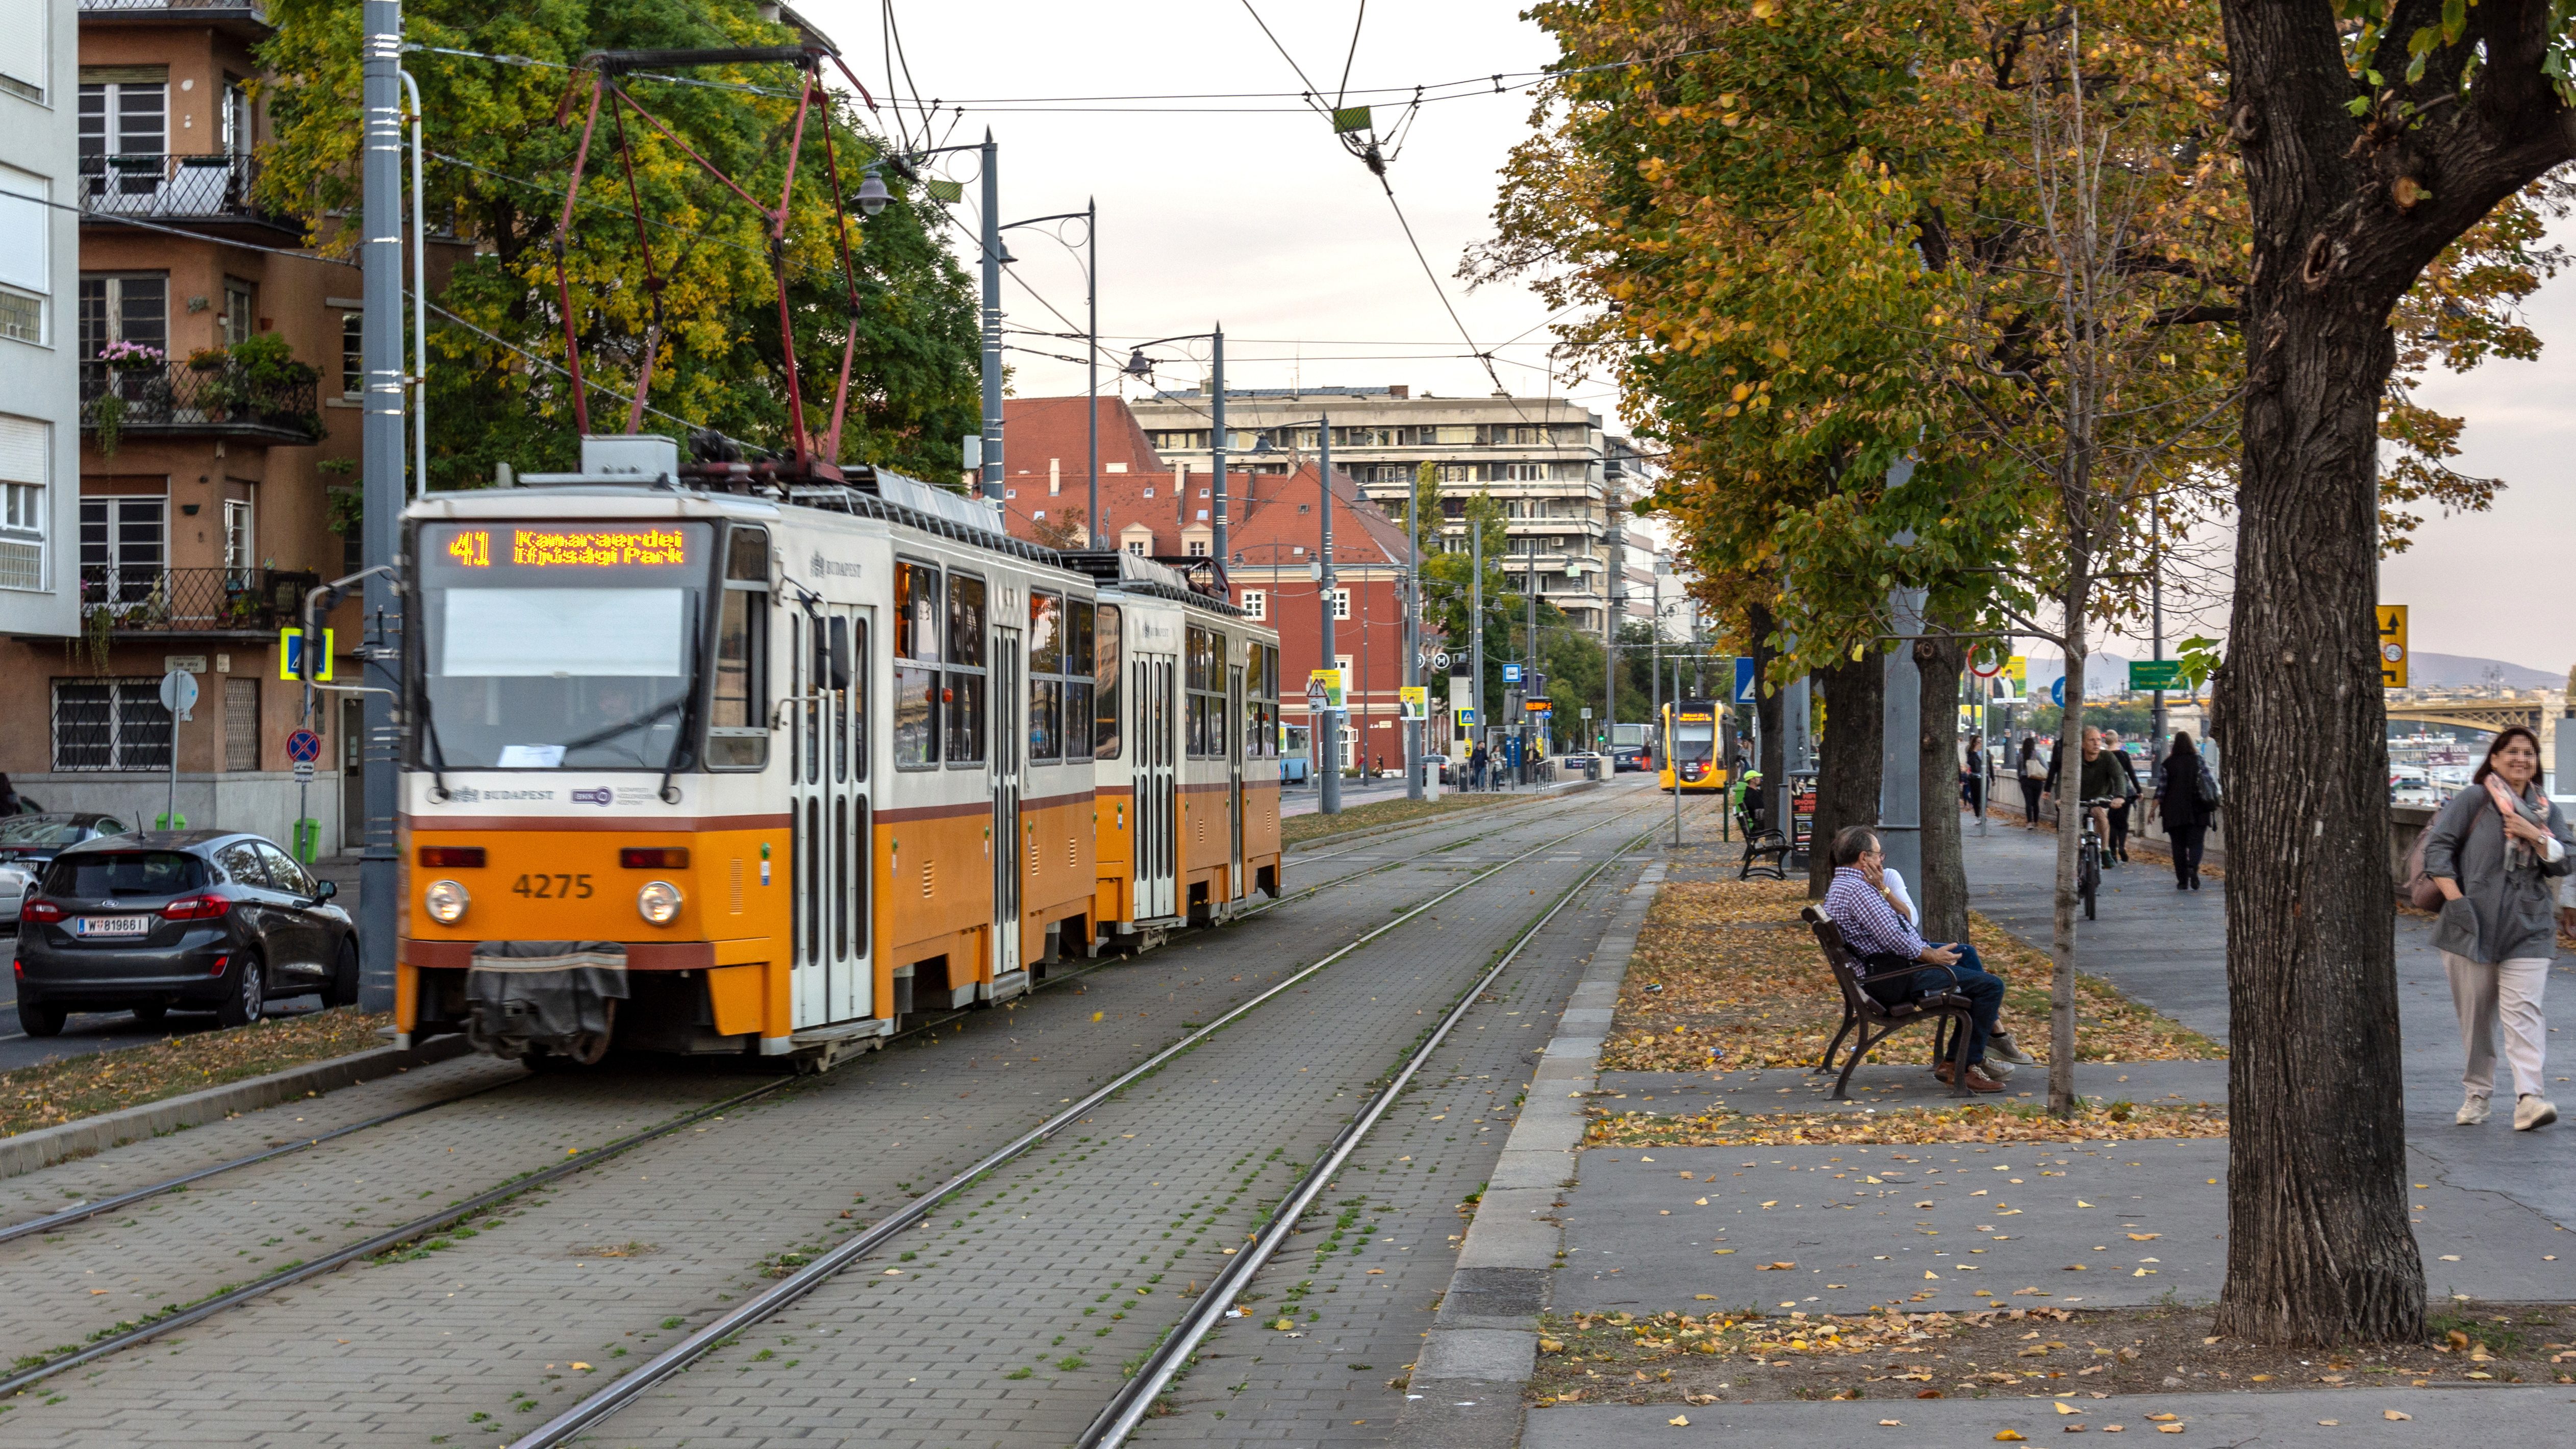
[[212, 920], [28, 841]]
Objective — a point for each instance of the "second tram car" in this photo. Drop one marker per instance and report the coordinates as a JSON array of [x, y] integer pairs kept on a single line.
[[699, 765]]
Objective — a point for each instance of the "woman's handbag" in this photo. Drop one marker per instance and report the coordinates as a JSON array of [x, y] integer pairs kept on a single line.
[[2421, 893]]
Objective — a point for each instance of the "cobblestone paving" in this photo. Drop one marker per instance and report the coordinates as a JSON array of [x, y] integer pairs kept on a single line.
[[1364, 1279], [458, 1343]]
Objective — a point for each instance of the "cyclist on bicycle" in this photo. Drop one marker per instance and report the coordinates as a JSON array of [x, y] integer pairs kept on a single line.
[[2101, 784]]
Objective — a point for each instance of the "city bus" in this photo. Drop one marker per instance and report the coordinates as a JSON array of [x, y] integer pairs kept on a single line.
[[1690, 759]]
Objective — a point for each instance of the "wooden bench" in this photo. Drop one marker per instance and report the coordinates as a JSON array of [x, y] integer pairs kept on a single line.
[[1766, 852], [1951, 1014]]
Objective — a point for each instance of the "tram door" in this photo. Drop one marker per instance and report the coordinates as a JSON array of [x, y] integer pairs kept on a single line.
[[1157, 786], [1234, 782], [1010, 746], [830, 845]]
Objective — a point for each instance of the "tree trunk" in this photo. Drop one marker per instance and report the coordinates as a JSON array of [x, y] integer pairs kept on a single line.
[[1943, 892], [2068, 797], [1847, 769]]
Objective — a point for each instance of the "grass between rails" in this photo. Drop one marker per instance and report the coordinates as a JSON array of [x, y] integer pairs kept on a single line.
[[52, 1093], [1727, 978], [1297, 829], [1971, 1122]]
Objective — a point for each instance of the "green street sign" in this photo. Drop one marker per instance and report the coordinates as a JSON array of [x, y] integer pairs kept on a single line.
[[2156, 674]]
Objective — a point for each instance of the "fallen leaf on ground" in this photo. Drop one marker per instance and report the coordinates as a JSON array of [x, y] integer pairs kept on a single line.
[[2394, 1414], [1679, 1421]]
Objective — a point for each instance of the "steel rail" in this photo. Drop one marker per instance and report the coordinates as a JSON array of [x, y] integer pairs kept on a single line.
[[617, 1395], [1135, 1399]]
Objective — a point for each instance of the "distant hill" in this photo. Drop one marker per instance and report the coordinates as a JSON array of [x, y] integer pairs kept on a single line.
[[2446, 671]]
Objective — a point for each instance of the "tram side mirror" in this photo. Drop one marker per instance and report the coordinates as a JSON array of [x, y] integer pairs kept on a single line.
[[835, 664]]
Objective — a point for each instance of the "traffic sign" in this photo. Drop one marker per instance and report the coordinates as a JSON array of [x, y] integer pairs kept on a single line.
[[1745, 682], [179, 692], [1511, 674], [303, 772], [1440, 662], [1587, 711], [1984, 671], [1328, 683], [2392, 646], [290, 654], [303, 747], [2155, 674], [1466, 716], [2057, 691]]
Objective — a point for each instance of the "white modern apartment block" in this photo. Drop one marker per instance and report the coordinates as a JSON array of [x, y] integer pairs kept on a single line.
[[1547, 461], [39, 287]]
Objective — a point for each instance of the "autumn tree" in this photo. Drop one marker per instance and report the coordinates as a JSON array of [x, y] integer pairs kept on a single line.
[[705, 305], [2377, 135]]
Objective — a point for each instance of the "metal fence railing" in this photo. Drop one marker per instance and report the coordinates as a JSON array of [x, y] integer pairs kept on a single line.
[[177, 397], [184, 600], [156, 185]]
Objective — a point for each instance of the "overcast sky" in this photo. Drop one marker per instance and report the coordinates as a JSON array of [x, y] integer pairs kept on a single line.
[[1248, 212]]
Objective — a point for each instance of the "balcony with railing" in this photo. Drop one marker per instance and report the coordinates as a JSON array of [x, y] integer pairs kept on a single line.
[[252, 603], [247, 19], [179, 400], [154, 186]]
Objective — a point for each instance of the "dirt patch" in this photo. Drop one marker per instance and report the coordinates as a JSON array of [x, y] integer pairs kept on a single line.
[[1727, 978], [1974, 1122], [2081, 1359], [53, 1093]]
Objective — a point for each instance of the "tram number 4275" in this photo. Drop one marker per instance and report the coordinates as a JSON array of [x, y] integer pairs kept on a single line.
[[553, 887]]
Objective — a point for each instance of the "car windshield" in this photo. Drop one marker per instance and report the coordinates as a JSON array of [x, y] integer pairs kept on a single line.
[[98, 875], [24, 831], [556, 645]]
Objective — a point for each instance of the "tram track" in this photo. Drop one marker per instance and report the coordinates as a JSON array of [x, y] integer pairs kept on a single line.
[[423, 1227], [867, 1242], [79, 1212]]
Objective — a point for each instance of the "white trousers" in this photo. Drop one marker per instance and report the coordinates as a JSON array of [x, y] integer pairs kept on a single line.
[[2506, 994]]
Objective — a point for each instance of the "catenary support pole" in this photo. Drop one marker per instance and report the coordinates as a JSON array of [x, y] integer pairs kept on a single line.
[[1476, 634], [992, 186], [1216, 447], [1091, 412], [381, 474], [1329, 730], [1412, 636], [1900, 735], [419, 308]]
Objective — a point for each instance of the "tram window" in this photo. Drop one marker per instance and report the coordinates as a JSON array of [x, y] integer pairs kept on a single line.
[[1076, 726], [1046, 719], [1046, 659], [1260, 706], [747, 556], [964, 695], [1046, 639], [857, 710], [1203, 676], [1107, 658], [737, 729], [918, 626]]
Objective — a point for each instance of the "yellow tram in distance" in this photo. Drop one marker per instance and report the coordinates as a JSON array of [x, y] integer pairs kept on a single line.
[[701, 761], [1690, 760]]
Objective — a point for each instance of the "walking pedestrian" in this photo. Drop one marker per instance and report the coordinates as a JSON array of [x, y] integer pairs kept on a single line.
[[1972, 777], [2494, 852], [1476, 766], [2186, 798], [2034, 778], [8, 798], [2119, 831]]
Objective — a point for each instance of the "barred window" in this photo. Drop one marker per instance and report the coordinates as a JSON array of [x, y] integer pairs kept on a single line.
[[110, 724], [241, 724]]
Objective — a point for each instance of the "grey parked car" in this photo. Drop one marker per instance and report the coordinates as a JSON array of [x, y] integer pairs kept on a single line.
[[212, 920], [28, 841]]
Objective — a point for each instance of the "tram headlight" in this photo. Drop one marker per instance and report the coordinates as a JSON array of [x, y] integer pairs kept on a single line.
[[446, 902], [658, 902]]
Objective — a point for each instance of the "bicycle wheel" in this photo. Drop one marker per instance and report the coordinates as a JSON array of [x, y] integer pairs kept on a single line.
[[2088, 879]]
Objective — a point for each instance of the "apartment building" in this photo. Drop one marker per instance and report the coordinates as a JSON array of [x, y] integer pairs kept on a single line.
[[215, 409], [1546, 460], [39, 270]]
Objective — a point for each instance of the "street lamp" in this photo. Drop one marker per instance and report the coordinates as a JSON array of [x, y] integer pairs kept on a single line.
[[1089, 216], [873, 198], [1329, 776], [1141, 367]]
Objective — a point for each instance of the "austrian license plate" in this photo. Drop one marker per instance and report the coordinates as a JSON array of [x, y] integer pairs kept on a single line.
[[88, 926]]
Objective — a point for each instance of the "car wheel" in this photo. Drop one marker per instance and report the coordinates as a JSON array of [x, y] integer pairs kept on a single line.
[[150, 1014], [39, 1020], [343, 988], [249, 994]]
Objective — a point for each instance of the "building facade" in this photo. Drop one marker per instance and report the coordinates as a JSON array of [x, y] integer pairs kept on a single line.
[[39, 274], [1545, 460], [216, 411]]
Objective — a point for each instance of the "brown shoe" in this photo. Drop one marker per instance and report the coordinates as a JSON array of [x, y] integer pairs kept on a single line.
[[1978, 1081]]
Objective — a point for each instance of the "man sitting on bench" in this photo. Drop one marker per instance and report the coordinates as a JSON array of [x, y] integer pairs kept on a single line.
[[1884, 940]]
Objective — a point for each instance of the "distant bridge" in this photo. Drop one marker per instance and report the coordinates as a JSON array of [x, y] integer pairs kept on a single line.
[[2537, 715]]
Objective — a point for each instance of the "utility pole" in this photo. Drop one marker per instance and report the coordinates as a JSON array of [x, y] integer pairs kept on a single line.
[[1900, 738], [1216, 453], [1413, 633], [1091, 419], [993, 333], [1476, 628], [1529, 665], [381, 455], [1329, 734], [2156, 585]]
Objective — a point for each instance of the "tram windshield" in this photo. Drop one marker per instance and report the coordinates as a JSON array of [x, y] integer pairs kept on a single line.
[[560, 645], [1694, 734]]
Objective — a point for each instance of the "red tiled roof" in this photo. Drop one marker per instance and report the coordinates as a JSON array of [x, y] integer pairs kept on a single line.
[[1265, 528], [1045, 437]]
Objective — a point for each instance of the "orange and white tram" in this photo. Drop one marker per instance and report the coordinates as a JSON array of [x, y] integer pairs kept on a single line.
[[709, 763]]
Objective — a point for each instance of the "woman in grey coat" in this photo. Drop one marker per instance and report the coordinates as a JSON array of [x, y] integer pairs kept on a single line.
[[2494, 852]]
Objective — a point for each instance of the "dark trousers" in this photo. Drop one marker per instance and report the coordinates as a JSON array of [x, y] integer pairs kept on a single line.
[[1967, 977], [2186, 852], [2119, 828], [2030, 791]]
